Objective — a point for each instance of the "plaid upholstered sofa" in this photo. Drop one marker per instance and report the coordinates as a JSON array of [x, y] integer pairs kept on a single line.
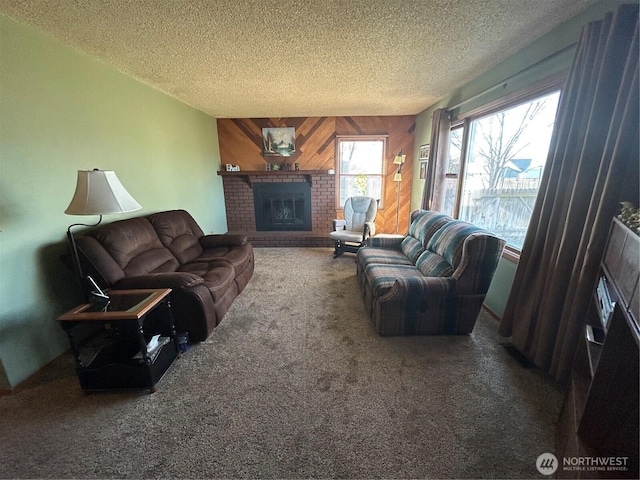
[[432, 281]]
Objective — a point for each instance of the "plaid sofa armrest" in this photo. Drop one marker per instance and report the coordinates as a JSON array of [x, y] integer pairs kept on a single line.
[[415, 289], [415, 306], [480, 256], [386, 241]]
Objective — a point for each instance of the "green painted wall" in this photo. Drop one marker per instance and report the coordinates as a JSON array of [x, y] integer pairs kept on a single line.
[[556, 40], [63, 111]]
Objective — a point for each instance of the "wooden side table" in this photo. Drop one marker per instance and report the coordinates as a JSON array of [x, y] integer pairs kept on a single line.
[[127, 343]]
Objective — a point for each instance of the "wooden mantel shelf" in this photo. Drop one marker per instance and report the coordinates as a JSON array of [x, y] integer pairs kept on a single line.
[[247, 175]]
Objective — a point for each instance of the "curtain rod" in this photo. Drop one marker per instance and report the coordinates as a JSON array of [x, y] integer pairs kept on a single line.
[[515, 75]]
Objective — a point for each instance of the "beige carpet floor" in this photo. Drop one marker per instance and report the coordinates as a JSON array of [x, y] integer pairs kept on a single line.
[[295, 383]]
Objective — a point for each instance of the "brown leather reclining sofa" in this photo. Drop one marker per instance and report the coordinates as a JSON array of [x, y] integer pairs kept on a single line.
[[169, 250]]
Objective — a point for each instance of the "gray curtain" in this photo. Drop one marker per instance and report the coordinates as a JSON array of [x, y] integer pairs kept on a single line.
[[592, 166], [435, 183]]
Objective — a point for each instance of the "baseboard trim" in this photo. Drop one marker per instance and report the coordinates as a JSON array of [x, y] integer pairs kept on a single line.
[[491, 313], [33, 377]]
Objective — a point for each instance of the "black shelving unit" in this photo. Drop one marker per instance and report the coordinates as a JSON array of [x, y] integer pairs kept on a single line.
[[112, 343], [599, 418]]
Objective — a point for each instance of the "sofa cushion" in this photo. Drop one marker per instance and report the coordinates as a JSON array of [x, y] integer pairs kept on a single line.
[[411, 248], [426, 224], [237, 255], [422, 228], [97, 262], [370, 255], [382, 277], [433, 265], [179, 232], [449, 240], [135, 246]]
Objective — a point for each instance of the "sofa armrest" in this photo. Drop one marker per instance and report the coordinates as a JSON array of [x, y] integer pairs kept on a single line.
[[224, 240], [173, 280], [386, 241], [415, 288], [417, 306]]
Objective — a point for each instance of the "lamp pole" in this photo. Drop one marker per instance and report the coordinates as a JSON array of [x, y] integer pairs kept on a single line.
[[399, 181], [399, 160]]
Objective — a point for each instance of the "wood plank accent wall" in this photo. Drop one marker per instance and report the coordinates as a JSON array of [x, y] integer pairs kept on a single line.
[[241, 144]]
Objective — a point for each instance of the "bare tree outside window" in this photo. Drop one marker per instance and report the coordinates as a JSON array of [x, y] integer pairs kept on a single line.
[[502, 137], [506, 156]]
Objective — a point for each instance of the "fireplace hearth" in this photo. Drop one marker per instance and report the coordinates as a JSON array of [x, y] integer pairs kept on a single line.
[[282, 206]]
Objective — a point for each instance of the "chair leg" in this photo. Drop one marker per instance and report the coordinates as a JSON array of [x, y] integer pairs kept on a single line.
[[337, 248]]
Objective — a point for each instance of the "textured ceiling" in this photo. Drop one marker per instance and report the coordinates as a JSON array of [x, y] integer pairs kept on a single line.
[[285, 58]]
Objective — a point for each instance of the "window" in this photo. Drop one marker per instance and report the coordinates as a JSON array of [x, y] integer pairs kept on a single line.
[[453, 171], [495, 166], [360, 167]]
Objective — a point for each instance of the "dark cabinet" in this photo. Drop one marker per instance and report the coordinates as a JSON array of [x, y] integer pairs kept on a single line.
[[598, 426], [127, 343]]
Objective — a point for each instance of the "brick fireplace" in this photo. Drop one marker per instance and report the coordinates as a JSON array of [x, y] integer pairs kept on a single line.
[[240, 205], [282, 206]]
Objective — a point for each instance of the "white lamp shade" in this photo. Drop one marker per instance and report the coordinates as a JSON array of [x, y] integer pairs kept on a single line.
[[99, 192], [397, 177]]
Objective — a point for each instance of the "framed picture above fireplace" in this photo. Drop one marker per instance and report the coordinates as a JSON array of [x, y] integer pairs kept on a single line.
[[279, 141]]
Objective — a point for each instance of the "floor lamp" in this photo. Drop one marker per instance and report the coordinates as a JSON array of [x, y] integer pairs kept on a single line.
[[98, 192], [399, 160]]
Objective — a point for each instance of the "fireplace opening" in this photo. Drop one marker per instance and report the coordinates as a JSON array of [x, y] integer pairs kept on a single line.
[[282, 206]]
